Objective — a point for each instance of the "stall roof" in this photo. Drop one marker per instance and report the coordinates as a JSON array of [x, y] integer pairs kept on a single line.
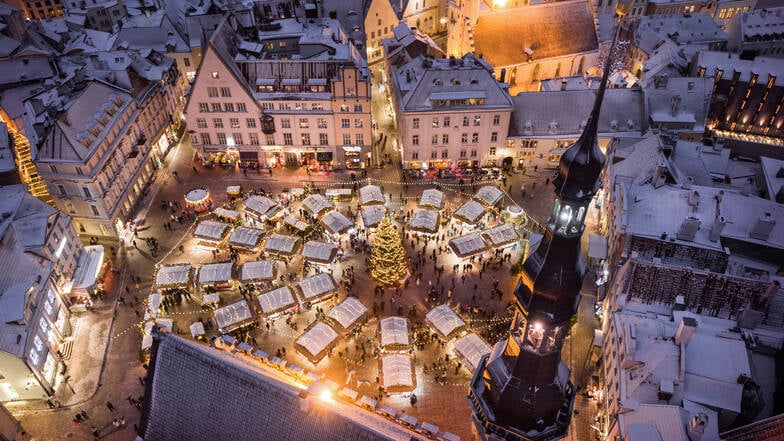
[[371, 194], [394, 331], [336, 222], [468, 245], [471, 348], [276, 300], [397, 372], [347, 312], [317, 286], [336, 192], [425, 221], [246, 237], [321, 252], [295, 223], [215, 273], [220, 211], [281, 244], [260, 205], [153, 305], [173, 275], [317, 339], [500, 235], [489, 195], [197, 329], [258, 270], [444, 320], [432, 198], [228, 316], [470, 212], [372, 215], [90, 262], [317, 204], [211, 230], [210, 298], [163, 322]]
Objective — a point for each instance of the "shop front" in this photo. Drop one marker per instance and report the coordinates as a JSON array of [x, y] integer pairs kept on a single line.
[[353, 155], [249, 159], [325, 160]]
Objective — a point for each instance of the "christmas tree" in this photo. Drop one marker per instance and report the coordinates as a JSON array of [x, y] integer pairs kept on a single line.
[[387, 256]]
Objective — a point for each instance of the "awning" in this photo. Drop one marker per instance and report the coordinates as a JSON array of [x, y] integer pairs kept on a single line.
[[90, 262], [597, 246]]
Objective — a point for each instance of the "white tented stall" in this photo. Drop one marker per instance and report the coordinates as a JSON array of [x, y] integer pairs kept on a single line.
[[281, 245], [471, 348], [173, 276], [336, 222], [397, 373], [500, 235], [317, 204], [445, 321], [394, 333], [257, 271], [197, 329], [371, 194], [432, 198], [163, 323], [347, 313], [215, 274], [317, 287], [211, 233], [339, 194], [425, 221], [489, 195], [261, 207], [297, 225], [316, 342], [467, 245], [153, 307], [234, 316], [470, 212], [279, 299], [246, 238], [372, 215], [319, 252], [224, 214]]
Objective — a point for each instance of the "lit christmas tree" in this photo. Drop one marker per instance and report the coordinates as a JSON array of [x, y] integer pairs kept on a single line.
[[387, 256]]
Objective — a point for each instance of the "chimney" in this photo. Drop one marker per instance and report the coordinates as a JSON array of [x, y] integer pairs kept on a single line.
[[686, 329], [763, 227], [696, 427], [687, 183], [716, 229], [676, 105], [563, 84], [748, 188], [694, 199], [688, 230], [679, 305]]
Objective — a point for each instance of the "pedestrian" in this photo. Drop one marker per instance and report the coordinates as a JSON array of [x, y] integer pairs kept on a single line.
[[110, 406], [270, 171], [84, 415]]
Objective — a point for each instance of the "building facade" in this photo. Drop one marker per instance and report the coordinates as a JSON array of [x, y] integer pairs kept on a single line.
[[757, 32]]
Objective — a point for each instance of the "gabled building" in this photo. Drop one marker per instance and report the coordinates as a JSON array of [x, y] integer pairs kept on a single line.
[[382, 16], [758, 32], [679, 105], [407, 43]]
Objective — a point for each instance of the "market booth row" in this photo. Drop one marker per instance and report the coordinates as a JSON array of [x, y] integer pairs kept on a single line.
[[258, 271], [282, 245], [234, 316], [225, 215], [174, 276], [317, 288], [210, 234], [216, 275], [468, 245], [445, 321], [316, 342], [275, 301], [246, 239], [394, 334], [347, 314]]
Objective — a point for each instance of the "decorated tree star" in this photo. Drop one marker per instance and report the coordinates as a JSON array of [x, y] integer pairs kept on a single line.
[[387, 257]]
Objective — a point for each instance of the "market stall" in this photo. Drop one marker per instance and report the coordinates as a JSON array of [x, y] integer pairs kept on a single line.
[[316, 342], [153, 306], [470, 212], [163, 323], [371, 194], [394, 334], [296, 225], [261, 207], [471, 348], [445, 321], [339, 194], [197, 330], [216, 275], [489, 195], [336, 222], [233, 316], [174, 276], [211, 300], [233, 191], [277, 300], [319, 252], [317, 204], [372, 215], [258, 271], [347, 314], [211, 233], [467, 245], [247, 239], [432, 198], [424, 221], [282, 245], [501, 236], [316, 288], [225, 215], [397, 373], [198, 199]]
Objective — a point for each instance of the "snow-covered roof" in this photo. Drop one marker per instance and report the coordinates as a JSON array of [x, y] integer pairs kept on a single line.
[[500, 235], [424, 220], [394, 332], [222, 212], [211, 230], [471, 348], [163, 322], [470, 212], [261, 206], [432, 198], [397, 372], [229, 316], [468, 244], [597, 246], [276, 300], [281, 244], [372, 215], [370, 194], [338, 193], [257, 270], [173, 275], [317, 340], [295, 223], [489, 195], [321, 252], [153, 305], [317, 204], [212, 273], [336, 222], [347, 312], [88, 267], [317, 286], [197, 329], [214, 298], [245, 237], [444, 320]]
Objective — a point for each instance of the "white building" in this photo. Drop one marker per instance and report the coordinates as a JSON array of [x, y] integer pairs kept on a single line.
[[757, 31], [296, 93]]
